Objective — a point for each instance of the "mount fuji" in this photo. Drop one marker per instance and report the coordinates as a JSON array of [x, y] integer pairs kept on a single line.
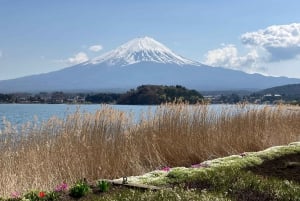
[[141, 50], [141, 61]]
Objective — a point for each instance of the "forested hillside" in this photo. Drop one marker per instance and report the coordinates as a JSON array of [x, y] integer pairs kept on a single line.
[[157, 94]]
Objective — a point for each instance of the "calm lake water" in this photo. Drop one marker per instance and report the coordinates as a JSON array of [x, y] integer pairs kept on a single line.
[[19, 114]]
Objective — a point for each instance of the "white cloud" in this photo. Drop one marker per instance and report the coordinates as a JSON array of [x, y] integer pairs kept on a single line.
[[1, 54], [227, 56], [78, 58], [282, 42], [95, 48], [221, 56], [264, 48]]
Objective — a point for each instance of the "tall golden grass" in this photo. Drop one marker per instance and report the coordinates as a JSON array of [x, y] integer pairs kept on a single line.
[[111, 143]]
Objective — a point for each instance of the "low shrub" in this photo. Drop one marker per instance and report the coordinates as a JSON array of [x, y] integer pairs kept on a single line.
[[103, 185], [52, 196], [80, 189], [32, 195]]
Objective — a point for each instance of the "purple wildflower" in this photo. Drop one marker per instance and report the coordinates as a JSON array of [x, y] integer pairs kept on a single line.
[[166, 169], [61, 187]]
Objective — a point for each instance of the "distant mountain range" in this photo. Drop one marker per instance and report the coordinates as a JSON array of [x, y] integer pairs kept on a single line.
[[285, 90], [137, 62]]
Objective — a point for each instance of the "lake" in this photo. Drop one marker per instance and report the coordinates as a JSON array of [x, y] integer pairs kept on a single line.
[[19, 114]]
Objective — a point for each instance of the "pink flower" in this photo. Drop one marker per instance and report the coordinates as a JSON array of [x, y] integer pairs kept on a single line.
[[167, 169], [61, 187], [15, 194]]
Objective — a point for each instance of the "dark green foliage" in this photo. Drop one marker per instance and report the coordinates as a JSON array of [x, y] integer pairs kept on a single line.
[[6, 98], [80, 189], [52, 196], [103, 98], [11, 199], [103, 186], [32, 196], [231, 99], [157, 94]]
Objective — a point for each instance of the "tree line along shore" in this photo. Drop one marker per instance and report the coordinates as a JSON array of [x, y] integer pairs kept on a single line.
[[154, 95]]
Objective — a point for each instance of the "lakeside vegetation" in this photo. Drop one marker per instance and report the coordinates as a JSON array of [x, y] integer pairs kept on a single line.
[[108, 144]]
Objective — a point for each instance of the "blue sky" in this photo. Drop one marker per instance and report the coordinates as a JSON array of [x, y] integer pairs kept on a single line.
[[38, 36]]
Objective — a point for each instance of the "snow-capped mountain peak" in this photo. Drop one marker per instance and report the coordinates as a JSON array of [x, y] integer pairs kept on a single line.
[[138, 50]]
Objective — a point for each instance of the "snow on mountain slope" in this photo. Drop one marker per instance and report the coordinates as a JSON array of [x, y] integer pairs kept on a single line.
[[138, 50]]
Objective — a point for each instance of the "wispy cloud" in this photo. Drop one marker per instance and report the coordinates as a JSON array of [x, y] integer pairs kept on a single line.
[[78, 58], [95, 48], [1, 54], [272, 44]]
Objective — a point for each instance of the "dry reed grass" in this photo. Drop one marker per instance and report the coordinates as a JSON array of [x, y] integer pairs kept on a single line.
[[109, 144]]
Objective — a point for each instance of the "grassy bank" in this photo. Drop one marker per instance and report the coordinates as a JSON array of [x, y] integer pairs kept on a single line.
[[269, 175], [108, 144]]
